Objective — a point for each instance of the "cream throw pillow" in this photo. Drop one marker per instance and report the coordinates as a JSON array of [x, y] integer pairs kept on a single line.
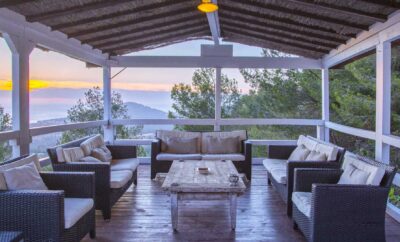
[[299, 154], [316, 156], [91, 144], [177, 145], [24, 177], [103, 154], [73, 154], [354, 176]]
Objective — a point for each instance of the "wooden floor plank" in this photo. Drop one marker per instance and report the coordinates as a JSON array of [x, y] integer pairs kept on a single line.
[[143, 214]]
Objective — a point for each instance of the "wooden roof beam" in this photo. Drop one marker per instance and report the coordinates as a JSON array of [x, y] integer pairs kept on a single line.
[[73, 10], [121, 24], [279, 41], [383, 3], [157, 40], [138, 36], [177, 5], [341, 9], [291, 29], [267, 32], [11, 3], [265, 16], [213, 22], [140, 29], [299, 13]]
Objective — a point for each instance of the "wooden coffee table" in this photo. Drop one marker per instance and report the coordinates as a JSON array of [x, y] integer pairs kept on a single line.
[[184, 182]]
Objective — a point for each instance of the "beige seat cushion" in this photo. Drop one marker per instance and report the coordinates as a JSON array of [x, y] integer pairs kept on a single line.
[[302, 200], [242, 134], [170, 157], [232, 157], [32, 158], [73, 154], [119, 179], [24, 177], [130, 164], [75, 209], [277, 168], [164, 134]]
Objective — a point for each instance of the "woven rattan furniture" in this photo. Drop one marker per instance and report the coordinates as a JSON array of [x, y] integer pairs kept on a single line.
[[162, 166], [283, 153], [185, 182], [39, 214], [11, 236], [106, 196], [342, 212]]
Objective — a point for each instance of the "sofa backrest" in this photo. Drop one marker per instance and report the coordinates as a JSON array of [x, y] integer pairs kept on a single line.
[[242, 134], [333, 152], [163, 135], [52, 151]]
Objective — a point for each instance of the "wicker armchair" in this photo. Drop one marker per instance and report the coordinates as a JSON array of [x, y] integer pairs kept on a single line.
[[283, 153], [342, 212], [40, 214], [106, 196]]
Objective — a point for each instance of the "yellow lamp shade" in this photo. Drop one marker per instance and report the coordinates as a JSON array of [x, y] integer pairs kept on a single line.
[[207, 6]]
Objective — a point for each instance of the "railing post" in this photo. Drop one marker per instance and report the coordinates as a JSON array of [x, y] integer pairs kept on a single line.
[[383, 102], [323, 131], [218, 99], [108, 128], [21, 48]]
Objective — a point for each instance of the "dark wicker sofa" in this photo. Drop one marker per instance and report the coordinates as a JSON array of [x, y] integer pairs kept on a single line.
[[163, 165], [342, 212], [106, 196], [39, 214], [282, 154]]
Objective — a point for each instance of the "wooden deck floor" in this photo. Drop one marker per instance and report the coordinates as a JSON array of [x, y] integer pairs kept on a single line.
[[143, 214]]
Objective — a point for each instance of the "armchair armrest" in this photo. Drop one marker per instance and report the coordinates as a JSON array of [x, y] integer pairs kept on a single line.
[[74, 184], [305, 178], [155, 148], [40, 212], [348, 204], [280, 151], [123, 151], [247, 150], [101, 170]]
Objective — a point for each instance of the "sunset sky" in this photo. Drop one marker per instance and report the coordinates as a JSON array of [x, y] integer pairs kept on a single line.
[[50, 71]]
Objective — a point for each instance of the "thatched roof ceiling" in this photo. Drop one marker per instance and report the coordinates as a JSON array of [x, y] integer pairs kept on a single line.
[[309, 28]]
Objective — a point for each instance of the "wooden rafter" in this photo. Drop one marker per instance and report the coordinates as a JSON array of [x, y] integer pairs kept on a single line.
[[285, 36], [158, 40], [300, 13], [176, 5], [122, 24], [11, 3], [341, 9], [279, 41], [289, 29], [383, 3], [73, 10], [138, 36], [107, 35], [263, 16]]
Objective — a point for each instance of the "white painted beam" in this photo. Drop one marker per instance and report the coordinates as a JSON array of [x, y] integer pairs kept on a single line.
[[65, 127], [213, 22], [15, 24], [325, 103], [218, 99], [214, 62], [20, 48], [367, 134], [383, 102], [107, 116]]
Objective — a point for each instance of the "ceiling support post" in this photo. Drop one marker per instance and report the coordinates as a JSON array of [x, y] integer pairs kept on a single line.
[[213, 22], [20, 48], [218, 99], [107, 102]]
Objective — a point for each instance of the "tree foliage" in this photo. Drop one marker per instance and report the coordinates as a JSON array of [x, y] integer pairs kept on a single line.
[[5, 124], [90, 108]]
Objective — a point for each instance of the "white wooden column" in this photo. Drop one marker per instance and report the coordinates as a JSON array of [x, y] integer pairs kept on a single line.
[[383, 95], [20, 48], [218, 99], [322, 131], [108, 129]]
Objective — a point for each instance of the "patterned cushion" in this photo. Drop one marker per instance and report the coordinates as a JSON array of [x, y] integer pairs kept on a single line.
[[302, 200], [164, 134], [73, 154], [375, 173], [32, 158], [242, 134]]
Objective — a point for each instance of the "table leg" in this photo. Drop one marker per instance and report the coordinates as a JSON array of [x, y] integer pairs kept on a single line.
[[233, 202], [174, 210]]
